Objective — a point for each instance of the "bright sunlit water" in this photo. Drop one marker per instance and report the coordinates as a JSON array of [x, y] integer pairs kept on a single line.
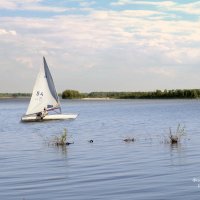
[[109, 168]]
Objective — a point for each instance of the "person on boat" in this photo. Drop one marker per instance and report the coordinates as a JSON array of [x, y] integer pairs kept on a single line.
[[45, 112], [39, 115]]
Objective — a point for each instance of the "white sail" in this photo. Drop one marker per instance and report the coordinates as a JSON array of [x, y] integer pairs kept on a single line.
[[44, 93]]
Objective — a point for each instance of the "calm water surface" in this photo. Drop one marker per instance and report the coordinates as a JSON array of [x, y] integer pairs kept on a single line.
[[108, 168]]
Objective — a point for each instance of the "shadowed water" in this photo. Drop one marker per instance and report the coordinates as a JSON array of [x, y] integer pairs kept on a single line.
[[108, 168]]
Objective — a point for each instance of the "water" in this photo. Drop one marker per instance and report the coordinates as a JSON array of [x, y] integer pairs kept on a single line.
[[108, 168]]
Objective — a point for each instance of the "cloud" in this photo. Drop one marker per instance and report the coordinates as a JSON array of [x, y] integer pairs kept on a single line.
[[103, 30], [7, 32], [129, 45], [192, 8], [162, 71], [87, 4], [129, 2], [26, 61], [33, 5]]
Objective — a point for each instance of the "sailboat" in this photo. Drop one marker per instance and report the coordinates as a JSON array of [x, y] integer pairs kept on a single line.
[[44, 99]]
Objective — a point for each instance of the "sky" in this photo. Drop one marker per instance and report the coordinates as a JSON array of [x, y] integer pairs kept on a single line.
[[100, 45]]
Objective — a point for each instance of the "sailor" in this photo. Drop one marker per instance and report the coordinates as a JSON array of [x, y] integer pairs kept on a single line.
[[45, 112], [39, 115]]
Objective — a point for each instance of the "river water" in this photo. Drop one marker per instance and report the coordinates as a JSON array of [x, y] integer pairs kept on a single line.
[[109, 168]]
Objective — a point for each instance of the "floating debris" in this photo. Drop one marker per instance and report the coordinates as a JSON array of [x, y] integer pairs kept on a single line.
[[68, 143], [90, 141], [129, 140]]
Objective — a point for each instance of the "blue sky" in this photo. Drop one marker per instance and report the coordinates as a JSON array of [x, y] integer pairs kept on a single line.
[[116, 45]]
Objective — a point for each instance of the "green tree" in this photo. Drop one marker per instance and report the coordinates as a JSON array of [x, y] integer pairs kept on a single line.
[[71, 94]]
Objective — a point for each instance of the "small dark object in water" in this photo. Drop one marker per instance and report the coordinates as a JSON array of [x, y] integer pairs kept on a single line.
[[68, 143], [174, 141], [129, 140], [62, 144], [90, 141]]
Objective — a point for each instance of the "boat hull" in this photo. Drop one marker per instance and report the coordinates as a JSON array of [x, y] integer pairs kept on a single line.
[[29, 118]]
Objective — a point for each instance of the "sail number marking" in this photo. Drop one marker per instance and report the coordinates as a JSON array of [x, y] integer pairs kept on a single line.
[[38, 93]]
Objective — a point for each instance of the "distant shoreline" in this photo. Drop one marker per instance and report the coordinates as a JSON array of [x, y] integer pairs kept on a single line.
[[90, 99], [4, 98], [14, 95], [103, 99], [157, 94]]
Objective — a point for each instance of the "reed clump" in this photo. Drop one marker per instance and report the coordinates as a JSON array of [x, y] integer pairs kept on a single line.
[[175, 137], [61, 140]]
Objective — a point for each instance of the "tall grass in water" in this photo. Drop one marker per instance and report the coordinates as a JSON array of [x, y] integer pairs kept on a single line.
[[175, 137], [61, 140]]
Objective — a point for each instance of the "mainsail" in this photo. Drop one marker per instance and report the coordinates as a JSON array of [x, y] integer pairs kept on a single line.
[[44, 93]]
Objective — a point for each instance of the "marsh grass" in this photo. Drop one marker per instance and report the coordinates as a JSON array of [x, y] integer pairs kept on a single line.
[[61, 140], [175, 137]]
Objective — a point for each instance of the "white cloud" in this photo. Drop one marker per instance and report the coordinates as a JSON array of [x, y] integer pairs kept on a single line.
[[129, 2], [104, 29], [114, 43], [6, 4], [7, 32], [162, 71], [190, 8], [87, 4], [33, 5], [26, 61]]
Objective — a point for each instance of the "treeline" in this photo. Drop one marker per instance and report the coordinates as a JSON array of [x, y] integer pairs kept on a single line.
[[14, 95], [158, 94], [71, 94]]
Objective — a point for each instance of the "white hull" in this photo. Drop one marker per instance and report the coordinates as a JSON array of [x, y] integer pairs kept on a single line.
[[33, 118]]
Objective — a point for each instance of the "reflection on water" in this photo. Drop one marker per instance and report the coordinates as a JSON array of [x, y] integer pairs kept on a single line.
[[61, 149], [178, 154], [109, 168]]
